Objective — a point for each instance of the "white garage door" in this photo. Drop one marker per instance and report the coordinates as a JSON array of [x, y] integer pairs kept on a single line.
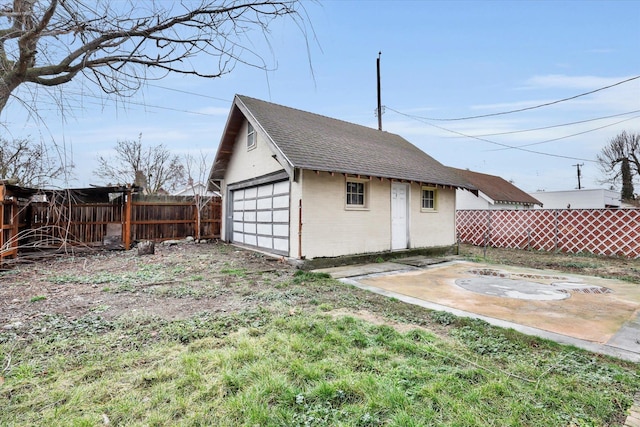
[[261, 217]]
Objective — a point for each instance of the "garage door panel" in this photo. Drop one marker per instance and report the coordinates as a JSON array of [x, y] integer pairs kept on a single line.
[[281, 201], [261, 217], [250, 193], [281, 244], [265, 242], [280, 230], [265, 203], [281, 187], [281, 216], [265, 229], [264, 216], [265, 190]]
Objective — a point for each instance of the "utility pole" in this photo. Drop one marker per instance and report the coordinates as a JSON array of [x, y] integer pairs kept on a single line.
[[578, 170], [379, 95]]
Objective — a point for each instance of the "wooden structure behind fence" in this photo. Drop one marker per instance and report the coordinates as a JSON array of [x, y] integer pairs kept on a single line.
[[610, 232], [94, 216]]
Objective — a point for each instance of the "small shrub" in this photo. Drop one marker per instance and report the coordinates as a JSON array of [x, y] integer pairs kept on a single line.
[[443, 317], [301, 277]]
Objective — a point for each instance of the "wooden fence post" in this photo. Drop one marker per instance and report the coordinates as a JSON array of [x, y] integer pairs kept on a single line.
[[126, 233], [197, 206], [2, 193]]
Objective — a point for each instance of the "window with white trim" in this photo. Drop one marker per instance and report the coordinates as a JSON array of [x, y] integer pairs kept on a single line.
[[251, 136], [429, 199], [356, 194]]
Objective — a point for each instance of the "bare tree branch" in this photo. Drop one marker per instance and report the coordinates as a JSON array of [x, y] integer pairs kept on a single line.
[[152, 167], [28, 163], [623, 150], [115, 44]]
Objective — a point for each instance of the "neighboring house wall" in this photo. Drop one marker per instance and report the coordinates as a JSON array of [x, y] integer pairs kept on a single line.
[[467, 200], [196, 189], [578, 199]]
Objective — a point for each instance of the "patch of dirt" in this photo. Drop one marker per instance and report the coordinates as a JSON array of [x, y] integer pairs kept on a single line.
[[183, 280], [584, 264], [176, 282]]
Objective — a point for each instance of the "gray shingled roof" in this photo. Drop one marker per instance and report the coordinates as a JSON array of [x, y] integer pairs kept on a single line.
[[498, 188], [314, 142]]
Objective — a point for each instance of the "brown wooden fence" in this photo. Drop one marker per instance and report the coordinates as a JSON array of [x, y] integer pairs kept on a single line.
[[610, 232], [95, 217]]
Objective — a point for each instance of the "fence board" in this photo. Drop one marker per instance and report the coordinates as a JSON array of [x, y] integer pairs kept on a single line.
[[68, 221], [610, 232]]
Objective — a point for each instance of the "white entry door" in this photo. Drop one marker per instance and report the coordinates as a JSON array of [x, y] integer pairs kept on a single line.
[[399, 221]]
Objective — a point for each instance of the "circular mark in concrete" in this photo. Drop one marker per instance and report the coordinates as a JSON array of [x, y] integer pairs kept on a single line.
[[499, 273], [509, 288], [582, 288]]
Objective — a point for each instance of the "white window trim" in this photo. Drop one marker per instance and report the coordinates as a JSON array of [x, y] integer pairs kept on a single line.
[[365, 206], [251, 132], [435, 199]]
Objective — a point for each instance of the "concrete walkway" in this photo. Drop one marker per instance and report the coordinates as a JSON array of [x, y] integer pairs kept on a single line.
[[598, 315]]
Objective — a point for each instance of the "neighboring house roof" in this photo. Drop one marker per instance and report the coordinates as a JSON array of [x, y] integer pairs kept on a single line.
[[497, 188], [193, 189], [314, 142]]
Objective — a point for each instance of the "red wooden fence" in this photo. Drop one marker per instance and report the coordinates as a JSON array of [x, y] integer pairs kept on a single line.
[[610, 232]]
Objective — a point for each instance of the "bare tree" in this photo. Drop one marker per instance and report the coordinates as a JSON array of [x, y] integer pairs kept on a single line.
[[197, 173], [152, 167], [28, 163], [120, 44], [620, 161]]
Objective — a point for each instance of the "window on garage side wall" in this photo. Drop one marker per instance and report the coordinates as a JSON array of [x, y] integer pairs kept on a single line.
[[429, 199], [356, 192], [251, 136]]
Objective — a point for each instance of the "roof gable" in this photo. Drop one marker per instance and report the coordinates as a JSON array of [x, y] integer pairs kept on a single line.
[[315, 142], [497, 188]]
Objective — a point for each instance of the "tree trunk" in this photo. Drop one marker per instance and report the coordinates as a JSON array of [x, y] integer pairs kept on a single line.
[[627, 181]]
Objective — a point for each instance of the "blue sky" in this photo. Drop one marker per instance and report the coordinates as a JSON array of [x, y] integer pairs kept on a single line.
[[449, 59]]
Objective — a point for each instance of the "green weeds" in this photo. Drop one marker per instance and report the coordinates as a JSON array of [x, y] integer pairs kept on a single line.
[[263, 368]]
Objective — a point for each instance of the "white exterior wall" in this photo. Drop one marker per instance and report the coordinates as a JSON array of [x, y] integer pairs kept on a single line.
[[467, 200], [246, 164], [578, 199], [432, 228], [294, 216], [330, 229]]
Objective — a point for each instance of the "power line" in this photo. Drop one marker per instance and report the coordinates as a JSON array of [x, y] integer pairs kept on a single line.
[[488, 140], [546, 104], [188, 93], [557, 126], [568, 136]]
